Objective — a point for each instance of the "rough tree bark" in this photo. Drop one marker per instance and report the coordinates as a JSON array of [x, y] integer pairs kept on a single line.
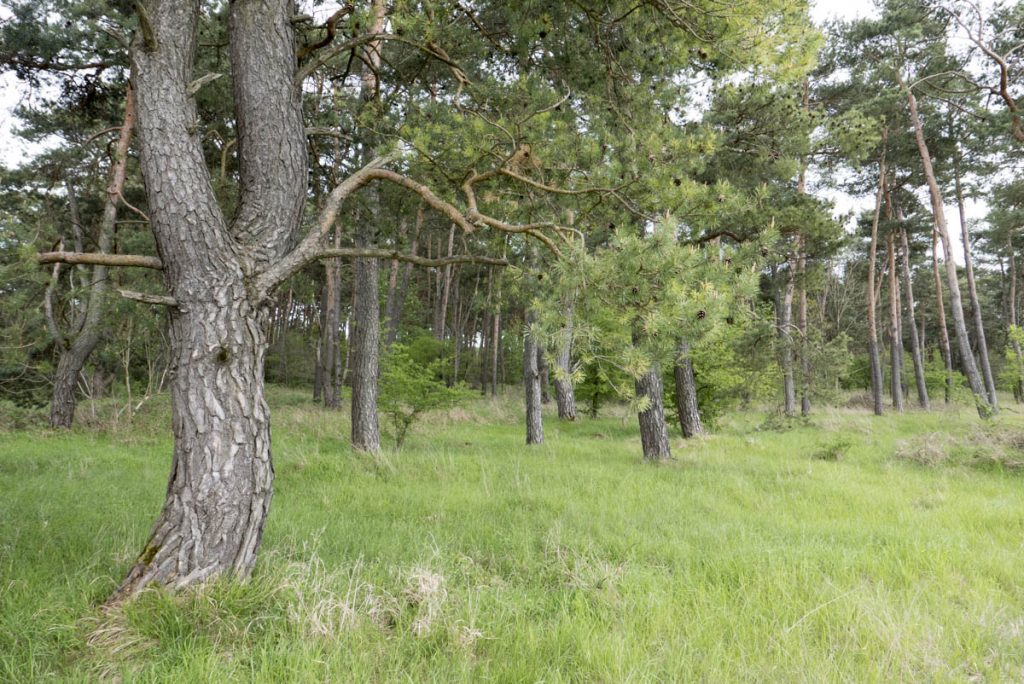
[[686, 394], [972, 292], [915, 342], [220, 484], [895, 336], [74, 355], [531, 384], [955, 304], [873, 352]]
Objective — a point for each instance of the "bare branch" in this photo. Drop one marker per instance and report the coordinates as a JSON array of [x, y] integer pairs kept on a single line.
[[146, 298], [99, 259]]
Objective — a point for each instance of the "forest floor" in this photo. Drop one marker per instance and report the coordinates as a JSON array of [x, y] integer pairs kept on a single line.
[[848, 548]]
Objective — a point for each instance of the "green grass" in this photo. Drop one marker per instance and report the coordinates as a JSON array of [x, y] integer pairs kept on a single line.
[[811, 554]]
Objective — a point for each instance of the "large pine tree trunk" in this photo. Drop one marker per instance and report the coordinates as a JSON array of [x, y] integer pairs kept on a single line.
[[531, 385], [956, 306], [220, 484], [653, 428], [972, 293], [895, 337], [874, 357], [915, 342], [686, 394], [221, 473], [73, 356], [940, 308]]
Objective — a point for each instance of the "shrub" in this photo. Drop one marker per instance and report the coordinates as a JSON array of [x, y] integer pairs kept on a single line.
[[409, 388]]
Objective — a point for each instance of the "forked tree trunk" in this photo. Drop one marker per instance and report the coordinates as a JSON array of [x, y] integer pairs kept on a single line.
[[686, 393], [653, 428], [873, 352], [915, 342], [74, 355], [221, 473], [956, 306], [531, 384], [895, 338], [940, 308], [972, 293]]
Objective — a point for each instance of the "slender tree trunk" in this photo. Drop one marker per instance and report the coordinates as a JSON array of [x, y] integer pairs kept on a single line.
[[396, 318], [653, 428], [956, 307], [805, 359], [873, 352], [441, 315], [895, 338], [365, 338], [804, 351], [391, 301], [940, 310], [332, 321], [531, 384], [565, 395], [915, 342], [319, 373], [73, 356], [972, 293], [784, 315], [686, 393], [542, 368], [495, 349], [1018, 389]]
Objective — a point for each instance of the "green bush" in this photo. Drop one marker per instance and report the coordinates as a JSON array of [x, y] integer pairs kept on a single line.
[[409, 388]]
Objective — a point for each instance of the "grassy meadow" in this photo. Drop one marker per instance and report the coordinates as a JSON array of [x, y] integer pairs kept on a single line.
[[847, 548]]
